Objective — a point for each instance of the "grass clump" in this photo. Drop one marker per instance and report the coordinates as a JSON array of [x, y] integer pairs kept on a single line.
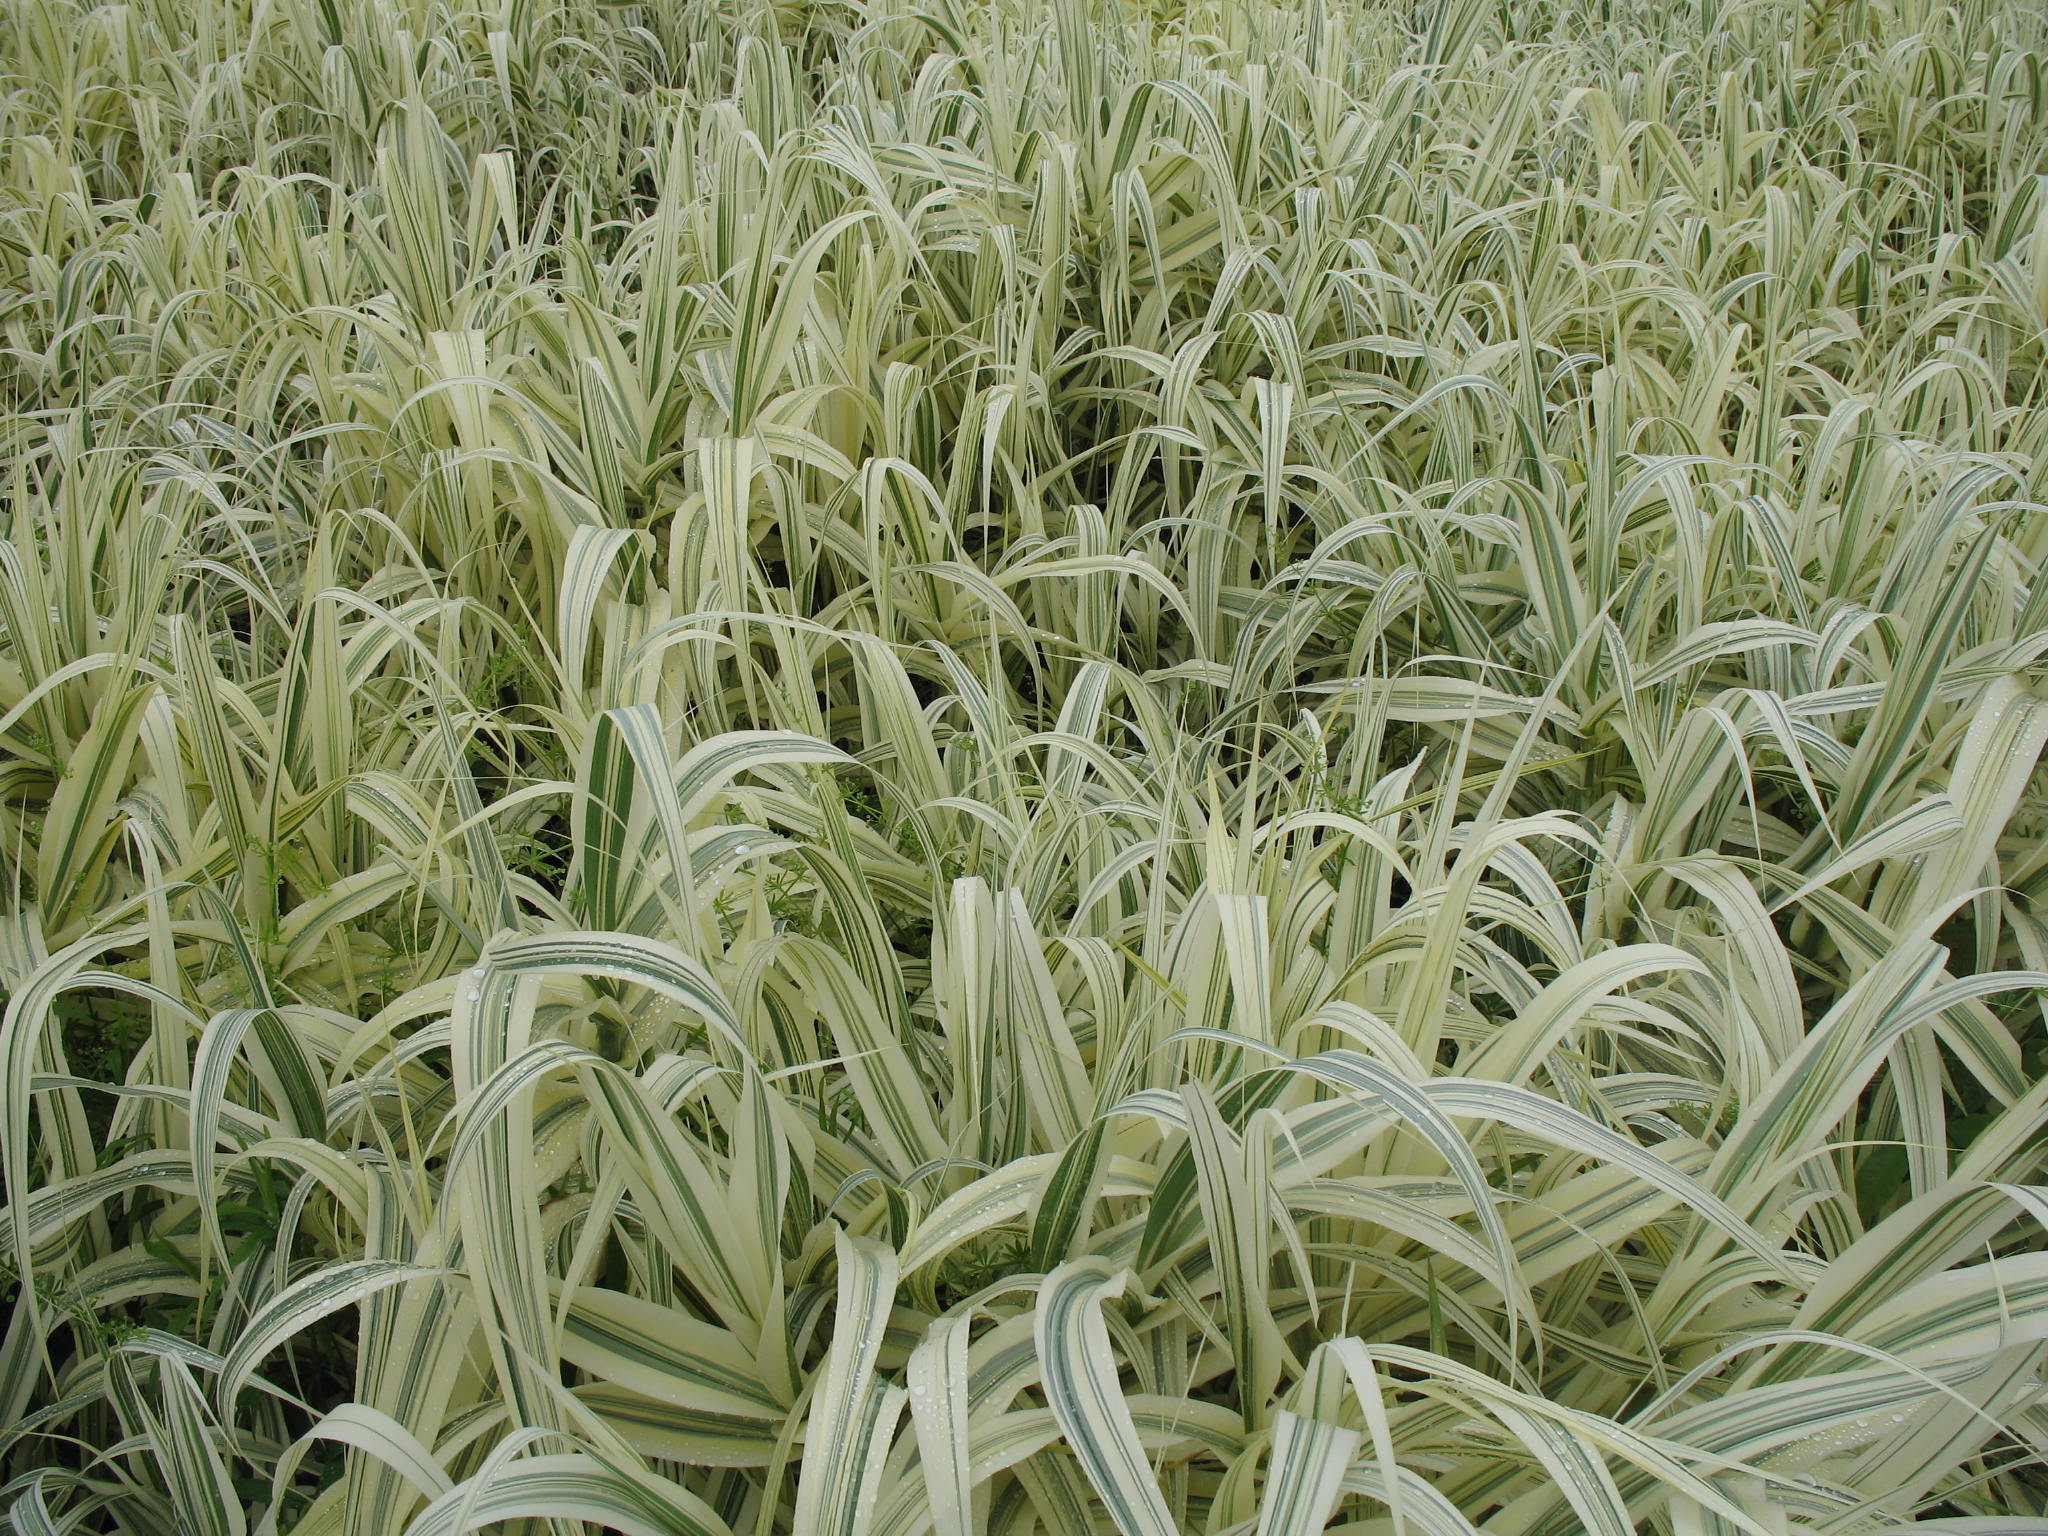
[[853, 769]]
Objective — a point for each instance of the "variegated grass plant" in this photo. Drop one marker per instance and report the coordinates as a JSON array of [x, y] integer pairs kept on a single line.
[[852, 769]]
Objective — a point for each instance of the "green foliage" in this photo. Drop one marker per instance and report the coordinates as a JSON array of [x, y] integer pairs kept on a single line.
[[842, 770]]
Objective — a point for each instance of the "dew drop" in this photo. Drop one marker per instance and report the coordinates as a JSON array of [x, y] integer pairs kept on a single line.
[[740, 852], [478, 973], [474, 995]]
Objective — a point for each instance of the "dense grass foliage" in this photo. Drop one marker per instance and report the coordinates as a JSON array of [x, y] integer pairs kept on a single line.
[[849, 769]]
